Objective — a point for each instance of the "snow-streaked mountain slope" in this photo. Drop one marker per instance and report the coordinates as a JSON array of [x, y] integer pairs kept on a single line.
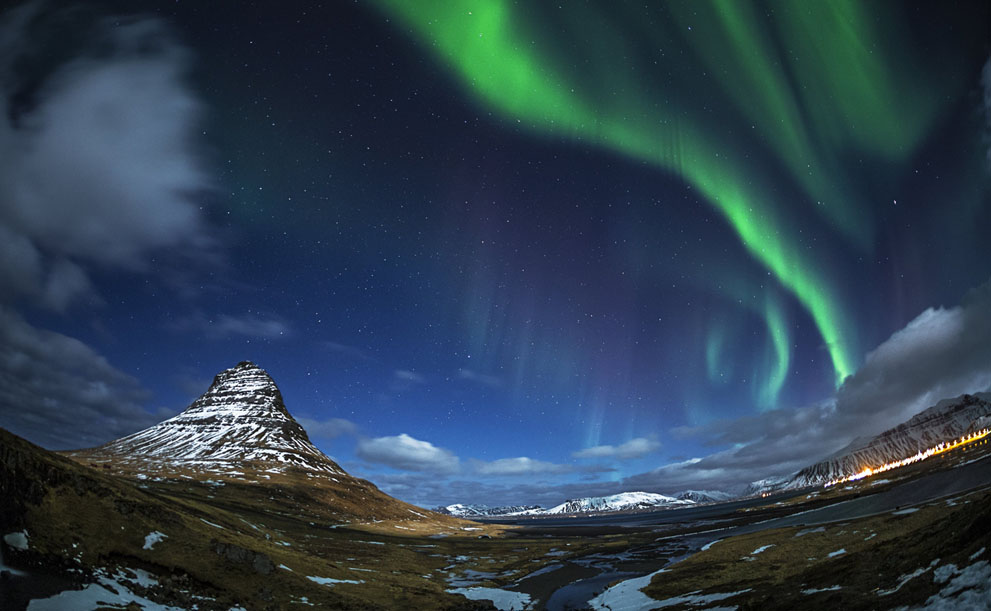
[[624, 501], [241, 419], [947, 420]]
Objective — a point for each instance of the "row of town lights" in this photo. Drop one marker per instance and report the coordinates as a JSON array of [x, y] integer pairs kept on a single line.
[[937, 449]]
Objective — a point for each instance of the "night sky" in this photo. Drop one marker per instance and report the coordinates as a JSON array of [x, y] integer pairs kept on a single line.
[[500, 252]]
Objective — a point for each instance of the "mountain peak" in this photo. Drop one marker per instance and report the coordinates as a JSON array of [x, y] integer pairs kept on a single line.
[[240, 419]]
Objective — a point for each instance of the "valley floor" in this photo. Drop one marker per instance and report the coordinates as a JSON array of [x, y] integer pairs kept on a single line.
[[916, 537]]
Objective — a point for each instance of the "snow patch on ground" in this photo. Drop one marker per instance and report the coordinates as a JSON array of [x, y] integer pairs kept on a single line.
[[838, 552], [968, 588], [811, 591], [692, 599], [547, 569], [809, 531], [212, 524], [904, 512], [108, 592], [152, 538], [328, 581], [504, 600], [907, 578], [17, 540], [760, 549], [626, 595], [709, 544]]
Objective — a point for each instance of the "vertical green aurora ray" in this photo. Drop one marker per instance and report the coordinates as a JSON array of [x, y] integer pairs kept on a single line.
[[771, 374], [715, 341], [482, 43], [767, 396]]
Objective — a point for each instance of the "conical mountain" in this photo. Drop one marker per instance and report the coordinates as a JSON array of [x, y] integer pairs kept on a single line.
[[239, 439], [240, 421]]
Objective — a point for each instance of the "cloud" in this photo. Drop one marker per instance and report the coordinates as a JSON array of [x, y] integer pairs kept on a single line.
[[521, 465], [986, 86], [349, 351], [328, 429], [942, 353], [480, 378], [405, 379], [249, 325], [405, 375], [634, 448], [101, 165], [408, 454], [59, 393]]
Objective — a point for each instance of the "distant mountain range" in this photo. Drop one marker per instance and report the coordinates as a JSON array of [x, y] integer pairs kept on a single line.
[[946, 421], [483, 511], [624, 501]]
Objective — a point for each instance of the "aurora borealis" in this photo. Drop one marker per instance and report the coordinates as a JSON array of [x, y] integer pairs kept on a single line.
[[500, 234]]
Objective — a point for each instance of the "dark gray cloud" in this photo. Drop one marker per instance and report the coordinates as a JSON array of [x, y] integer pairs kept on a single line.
[[943, 353], [60, 394]]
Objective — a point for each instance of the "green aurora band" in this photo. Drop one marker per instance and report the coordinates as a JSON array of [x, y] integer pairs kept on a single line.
[[831, 93]]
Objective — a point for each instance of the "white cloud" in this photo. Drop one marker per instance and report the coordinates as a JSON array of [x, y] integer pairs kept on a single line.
[[634, 448], [408, 454], [327, 429], [405, 375], [249, 325], [101, 165], [480, 378], [520, 465]]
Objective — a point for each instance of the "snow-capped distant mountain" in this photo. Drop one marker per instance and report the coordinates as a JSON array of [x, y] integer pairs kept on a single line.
[[623, 501], [475, 511], [947, 420], [704, 496], [240, 419]]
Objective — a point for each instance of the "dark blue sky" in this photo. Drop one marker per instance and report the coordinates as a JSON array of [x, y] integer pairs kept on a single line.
[[470, 293]]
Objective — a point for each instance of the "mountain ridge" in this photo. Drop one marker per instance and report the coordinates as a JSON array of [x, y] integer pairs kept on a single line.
[[947, 420]]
